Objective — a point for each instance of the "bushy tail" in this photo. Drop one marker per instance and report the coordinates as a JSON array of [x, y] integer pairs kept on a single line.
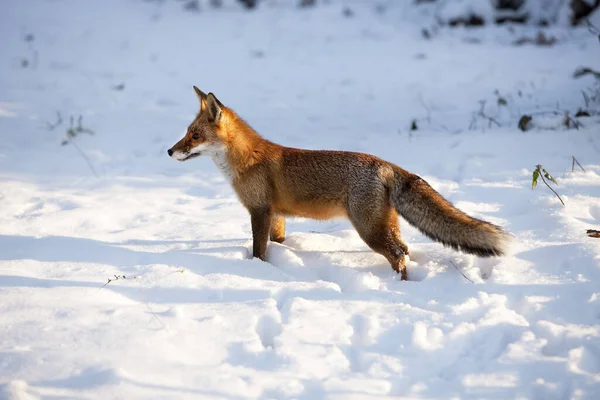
[[439, 220]]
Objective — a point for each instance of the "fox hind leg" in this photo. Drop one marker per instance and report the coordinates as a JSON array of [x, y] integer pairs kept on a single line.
[[277, 228], [386, 241], [378, 226]]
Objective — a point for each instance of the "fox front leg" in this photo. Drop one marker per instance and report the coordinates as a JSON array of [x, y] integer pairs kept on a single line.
[[261, 223]]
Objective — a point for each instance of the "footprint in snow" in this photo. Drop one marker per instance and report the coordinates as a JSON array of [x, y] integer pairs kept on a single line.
[[486, 266], [268, 327], [363, 328], [594, 211], [44, 207]]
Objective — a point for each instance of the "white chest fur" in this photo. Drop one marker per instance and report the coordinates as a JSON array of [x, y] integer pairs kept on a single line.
[[220, 160]]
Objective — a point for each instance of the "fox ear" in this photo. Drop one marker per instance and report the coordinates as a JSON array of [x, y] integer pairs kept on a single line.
[[201, 98], [214, 108]]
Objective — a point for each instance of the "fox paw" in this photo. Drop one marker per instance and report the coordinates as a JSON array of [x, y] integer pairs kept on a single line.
[[404, 248], [400, 267], [403, 274]]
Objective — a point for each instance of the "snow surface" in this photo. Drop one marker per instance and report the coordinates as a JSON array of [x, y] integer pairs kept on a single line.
[[194, 317]]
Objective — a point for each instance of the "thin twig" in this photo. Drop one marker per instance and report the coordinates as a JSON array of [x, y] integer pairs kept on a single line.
[[426, 107], [491, 120], [570, 120], [466, 277], [83, 155], [59, 120], [586, 99], [116, 278], [482, 114], [147, 303], [591, 27], [549, 187], [573, 166], [581, 71], [473, 122]]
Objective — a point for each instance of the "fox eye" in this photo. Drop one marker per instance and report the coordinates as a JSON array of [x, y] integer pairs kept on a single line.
[[196, 136]]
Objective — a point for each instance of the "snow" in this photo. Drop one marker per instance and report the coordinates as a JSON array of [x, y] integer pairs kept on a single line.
[[191, 315]]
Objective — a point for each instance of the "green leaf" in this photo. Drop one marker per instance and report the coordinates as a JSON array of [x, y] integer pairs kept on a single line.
[[536, 174], [549, 177]]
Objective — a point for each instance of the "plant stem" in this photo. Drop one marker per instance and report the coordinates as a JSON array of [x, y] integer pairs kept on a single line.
[[544, 180], [466, 277], [573, 166], [84, 156]]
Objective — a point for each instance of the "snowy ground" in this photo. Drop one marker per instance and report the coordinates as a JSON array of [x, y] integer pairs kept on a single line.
[[194, 317]]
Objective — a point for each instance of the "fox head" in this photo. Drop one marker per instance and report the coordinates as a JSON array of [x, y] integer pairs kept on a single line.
[[204, 135]]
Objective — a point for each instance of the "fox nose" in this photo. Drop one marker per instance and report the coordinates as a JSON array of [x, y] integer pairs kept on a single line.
[[170, 152]]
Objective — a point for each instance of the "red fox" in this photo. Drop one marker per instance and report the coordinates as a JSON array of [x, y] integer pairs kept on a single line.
[[274, 182]]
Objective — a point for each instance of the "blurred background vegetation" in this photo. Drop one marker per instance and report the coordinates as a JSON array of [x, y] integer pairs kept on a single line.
[[445, 12]]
